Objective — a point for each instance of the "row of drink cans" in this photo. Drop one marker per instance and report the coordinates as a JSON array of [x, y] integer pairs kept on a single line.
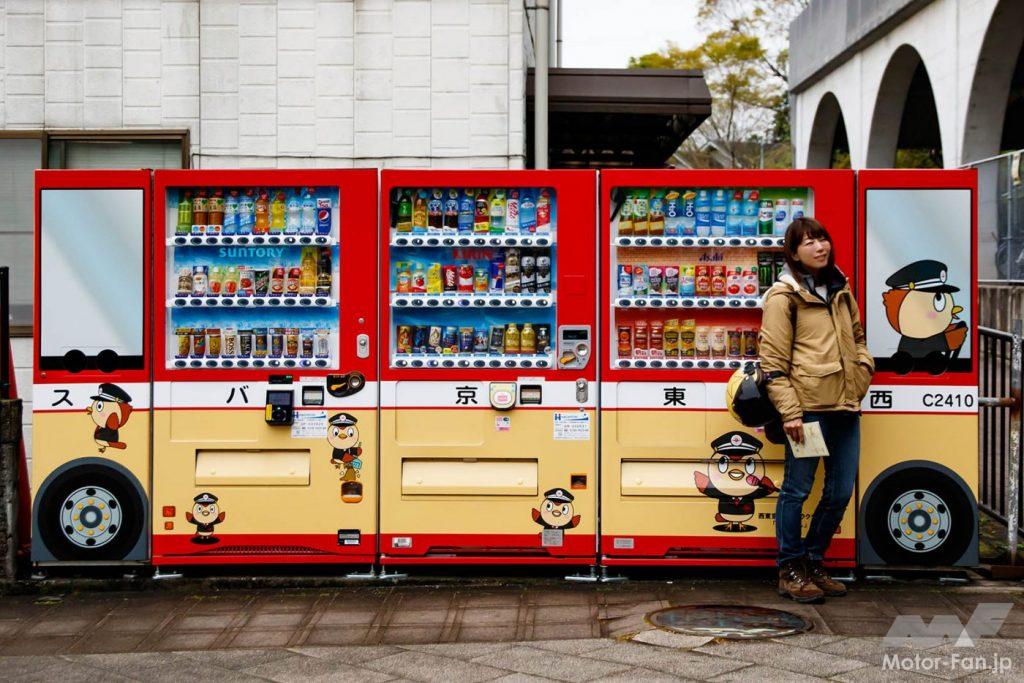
[[510, 339], [674, 338], [516, 271], [253, 342]]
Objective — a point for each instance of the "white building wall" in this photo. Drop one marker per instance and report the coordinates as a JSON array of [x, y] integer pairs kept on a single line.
[[948, 34], [273, 83]]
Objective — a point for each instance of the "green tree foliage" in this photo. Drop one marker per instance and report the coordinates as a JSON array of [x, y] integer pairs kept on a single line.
[[744, 60]]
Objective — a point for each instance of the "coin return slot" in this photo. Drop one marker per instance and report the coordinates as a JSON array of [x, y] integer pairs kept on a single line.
[[530, 395]]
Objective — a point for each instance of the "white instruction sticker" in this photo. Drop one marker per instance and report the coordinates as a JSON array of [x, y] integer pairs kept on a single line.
[[310, 424], [572, 426]]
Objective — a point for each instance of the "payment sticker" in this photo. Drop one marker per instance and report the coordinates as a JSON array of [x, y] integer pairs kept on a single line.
[[502, 423], [572, 426], [309, 424]]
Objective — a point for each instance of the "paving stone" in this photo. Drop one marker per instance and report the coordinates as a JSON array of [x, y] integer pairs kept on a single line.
[[38, 645], [59, 627], [560, 597], [275, 620], [303, 669], [425, 666], [418, 617], [193, 640], [486, 634], [616, 597], [795, 659], [674, 662], [662, 638], [475, 600], [72, 672], [17, 667], [548, 631], [560, 614], [813, 641], [572, 647], [129, 662], [459, 650], [104, 641], [132, 623], [623, 626], [520, 678], [402, 635], [236, 659], [645, 675], [629, 608], [185, 669], [337, 635], [212, 622], [351, 654], [766, 674], [9, 627], [875, 674], [550, 664], [860, 627], [426, 601]]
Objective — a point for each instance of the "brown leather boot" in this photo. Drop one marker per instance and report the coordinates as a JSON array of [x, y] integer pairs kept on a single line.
[[795, 584], [829, 586]]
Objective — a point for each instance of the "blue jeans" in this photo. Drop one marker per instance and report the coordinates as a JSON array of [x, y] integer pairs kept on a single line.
[[842, 436]]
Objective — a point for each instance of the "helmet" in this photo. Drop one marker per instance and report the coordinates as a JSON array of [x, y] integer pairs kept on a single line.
[[747, 398]]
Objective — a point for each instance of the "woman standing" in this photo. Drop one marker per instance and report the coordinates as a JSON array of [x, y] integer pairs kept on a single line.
[[813, 348]]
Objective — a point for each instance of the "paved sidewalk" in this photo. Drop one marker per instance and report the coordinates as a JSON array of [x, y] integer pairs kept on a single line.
[[468, 633]]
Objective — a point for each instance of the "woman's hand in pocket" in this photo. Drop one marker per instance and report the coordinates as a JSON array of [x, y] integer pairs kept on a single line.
[[794, 429]]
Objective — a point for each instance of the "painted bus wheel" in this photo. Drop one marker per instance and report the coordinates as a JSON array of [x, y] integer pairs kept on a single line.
[[919, 517], [90, 512]]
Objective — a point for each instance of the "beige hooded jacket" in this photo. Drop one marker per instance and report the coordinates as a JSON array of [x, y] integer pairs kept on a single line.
[[823, 364]]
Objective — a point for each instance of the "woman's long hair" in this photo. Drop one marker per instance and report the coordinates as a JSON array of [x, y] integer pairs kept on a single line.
[[800, 229]]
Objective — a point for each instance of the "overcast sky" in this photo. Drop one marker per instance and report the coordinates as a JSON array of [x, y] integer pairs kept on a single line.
[[606, 33]]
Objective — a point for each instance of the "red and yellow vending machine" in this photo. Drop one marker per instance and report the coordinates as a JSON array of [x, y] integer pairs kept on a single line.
[[918, 284], [488, 389], [91, 375], [265, 384], [685, 256]]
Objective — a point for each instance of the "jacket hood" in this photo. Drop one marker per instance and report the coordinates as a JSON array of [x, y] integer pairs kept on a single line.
[[788, 283]]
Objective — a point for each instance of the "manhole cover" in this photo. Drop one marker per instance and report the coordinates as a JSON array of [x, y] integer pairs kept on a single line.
[[735, 622]]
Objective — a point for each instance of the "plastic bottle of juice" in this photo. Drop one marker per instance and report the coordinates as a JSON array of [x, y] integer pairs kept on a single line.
[[230, 213], [246, 213], [293, 214], [184, 226], [262, 224], [404, 223], [419, 213], [215, 217], [497, 209], [481, 214], [200, 206], [307, 218], [307, 281], [277, 214]]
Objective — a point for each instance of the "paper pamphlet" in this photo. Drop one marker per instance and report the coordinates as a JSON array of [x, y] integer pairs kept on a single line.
[[813, 445]]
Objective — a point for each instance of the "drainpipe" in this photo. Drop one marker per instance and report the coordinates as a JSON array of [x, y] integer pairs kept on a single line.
[[540, 85], [558, 33]]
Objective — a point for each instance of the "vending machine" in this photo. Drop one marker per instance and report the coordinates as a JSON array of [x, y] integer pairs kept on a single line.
[[91, 375], [265, 384], [488, 389], [918, 284], [685, 257]]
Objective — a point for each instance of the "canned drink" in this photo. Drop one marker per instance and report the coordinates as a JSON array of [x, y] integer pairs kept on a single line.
[[640, 339], [780, 263], [796, 209], [497, 340], [434, 335], [244, 343], [640, 281], [528, 274], [277, 281], [291, 287], [198, 342], [719, 342], [543, 274], [200, 275], [625, 337], [765, 271], [420, 334], [291, 342], [671, 338], [702, 342], [513, 283], [543, 338], [323, 215], [466, 278], [734, 346], [259, 342], [465, 340], [750, 343], [276, 342], [687, 281], [671, 282], [323, 343], [246, 284], [687, 332], [657, 339], [184, 282], [497, 281], [480, 340], [481, 281], [718, 280], [655, 280], [449, 278], [450, 340], [184, 342], [404, 342], [702, 281], [625, 272], [230, 342]]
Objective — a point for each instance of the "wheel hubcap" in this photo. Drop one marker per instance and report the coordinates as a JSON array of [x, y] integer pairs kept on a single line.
[[90, 517], [919, 521]]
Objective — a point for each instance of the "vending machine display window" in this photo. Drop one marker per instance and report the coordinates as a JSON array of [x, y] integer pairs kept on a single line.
[[688, 267], [472, 273], [253, 277]]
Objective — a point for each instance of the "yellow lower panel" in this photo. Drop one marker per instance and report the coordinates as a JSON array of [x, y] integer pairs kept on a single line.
[[484, 496], [266, 482]]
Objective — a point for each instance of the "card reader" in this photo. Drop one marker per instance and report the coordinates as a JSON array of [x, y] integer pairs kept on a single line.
[[280, 407]]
